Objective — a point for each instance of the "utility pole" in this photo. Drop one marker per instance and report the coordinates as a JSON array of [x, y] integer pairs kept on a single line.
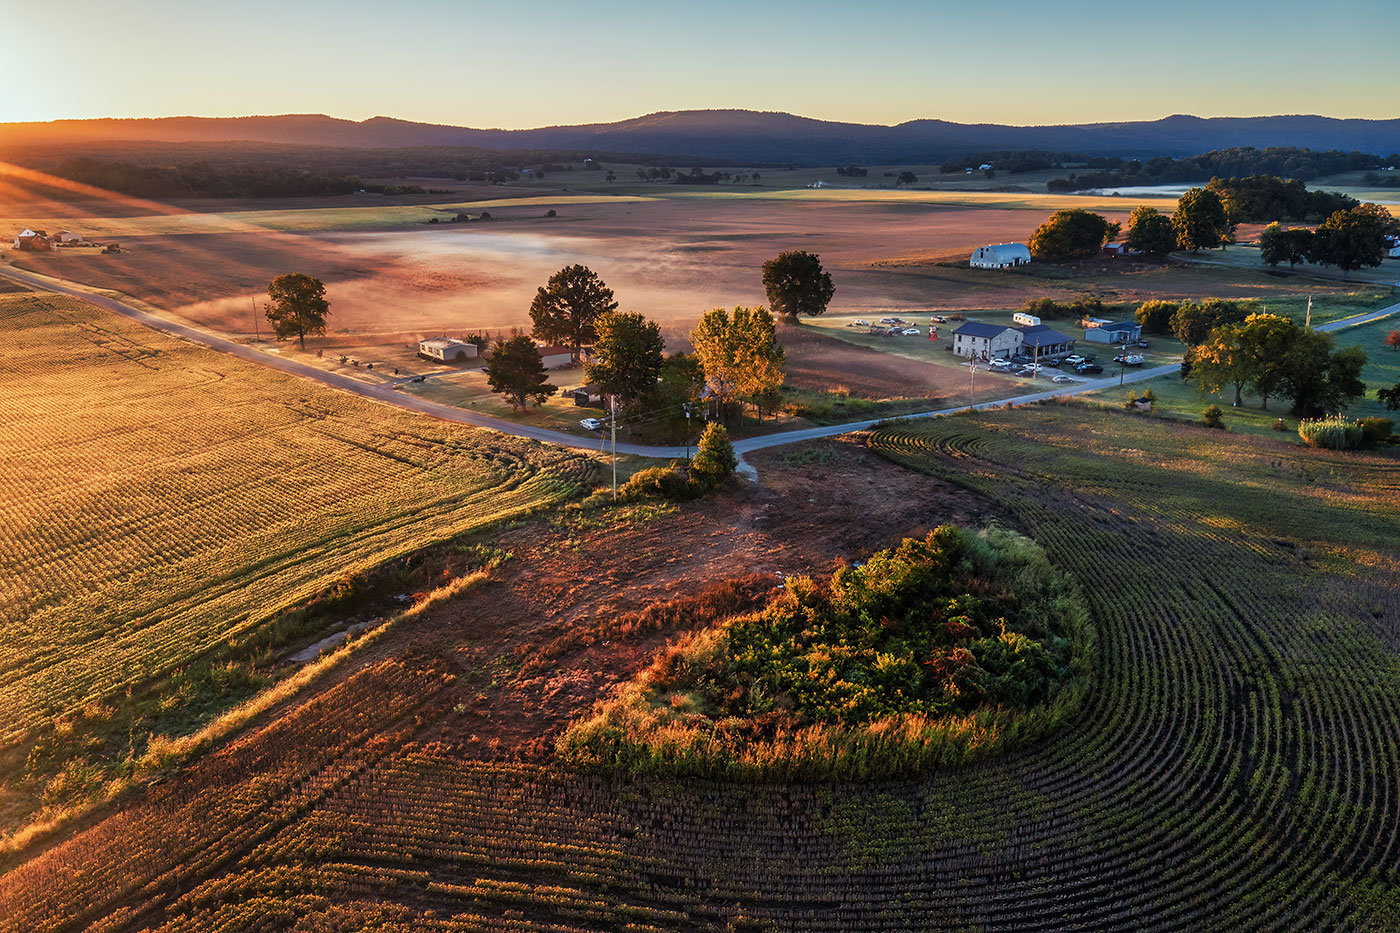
[[1035, 361], [1122, 362], [972, 384], [613, 420], [687, 431], [256, 335], [1307, 322]]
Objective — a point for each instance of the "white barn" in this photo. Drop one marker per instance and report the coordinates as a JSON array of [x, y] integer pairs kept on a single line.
[[446, 349], [1001, 256], [556, 357]]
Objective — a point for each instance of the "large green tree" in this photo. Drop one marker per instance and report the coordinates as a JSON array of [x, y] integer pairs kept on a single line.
[[567, 308], [1221, 361], [1150, 232], [298, 306], [1321, 379], [739, 353], [797, 284], [1267, 341], [1291, 245], [1350, 239], [1193, 321], [627, 356], [1390, 397], [516, 371], [1199, 220], [1156, 316], [1071, 234]]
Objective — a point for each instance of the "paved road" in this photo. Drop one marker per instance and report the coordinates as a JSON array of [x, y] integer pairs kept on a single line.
[[387, 393]]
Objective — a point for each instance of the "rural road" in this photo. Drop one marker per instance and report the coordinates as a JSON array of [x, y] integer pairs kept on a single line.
[[387, 393]]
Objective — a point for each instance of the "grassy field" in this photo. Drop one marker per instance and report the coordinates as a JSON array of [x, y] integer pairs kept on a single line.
[[1183, 401], [1232, 767], [162, 502]]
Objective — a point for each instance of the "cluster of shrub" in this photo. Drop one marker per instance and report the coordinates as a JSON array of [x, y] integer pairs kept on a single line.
[[713, 463], [1287, 162], [1016, 161], [884, 667], [1337, 432]]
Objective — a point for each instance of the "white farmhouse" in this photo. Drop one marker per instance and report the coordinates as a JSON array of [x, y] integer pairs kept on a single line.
[[446, 349], [1001, 256], [979, 341]]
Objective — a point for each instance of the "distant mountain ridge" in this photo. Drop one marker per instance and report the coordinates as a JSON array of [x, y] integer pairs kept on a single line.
[[745, 135]]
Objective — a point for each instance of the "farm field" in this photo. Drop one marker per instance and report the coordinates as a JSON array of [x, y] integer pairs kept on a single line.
[[1232, 769], [164, 503]]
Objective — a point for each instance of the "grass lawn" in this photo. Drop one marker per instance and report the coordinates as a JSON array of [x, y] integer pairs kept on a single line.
[[1181, 400], [1247, 256]]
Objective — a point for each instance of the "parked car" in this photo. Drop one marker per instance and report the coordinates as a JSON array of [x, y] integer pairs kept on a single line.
[[939, 319], [1061, 378], [1053, 364], [1000, 366], [591, 424], [911, 332], [862, 323], [1144, 344], [1032, 367], [1024, 373], [1128, 359], [1088, 368]]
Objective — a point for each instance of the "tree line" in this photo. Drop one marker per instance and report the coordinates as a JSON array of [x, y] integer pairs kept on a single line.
[[1287, 162]]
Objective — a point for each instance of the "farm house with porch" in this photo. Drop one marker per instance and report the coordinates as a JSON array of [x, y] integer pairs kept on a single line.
[[979, 341], [1045, 342]]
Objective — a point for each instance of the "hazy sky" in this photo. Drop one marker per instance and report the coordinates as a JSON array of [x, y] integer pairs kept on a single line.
[[513, 65]]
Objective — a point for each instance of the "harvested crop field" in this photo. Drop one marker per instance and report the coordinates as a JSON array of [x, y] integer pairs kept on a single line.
[[1230, 771]]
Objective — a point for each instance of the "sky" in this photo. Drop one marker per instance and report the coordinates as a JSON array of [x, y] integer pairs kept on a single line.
[[544, 62]]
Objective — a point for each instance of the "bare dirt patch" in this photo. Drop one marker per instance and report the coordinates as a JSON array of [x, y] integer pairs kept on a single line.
[[536, 647]]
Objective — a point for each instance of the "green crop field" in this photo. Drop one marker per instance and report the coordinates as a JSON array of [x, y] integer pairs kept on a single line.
[[1233, 767], [161, 500]]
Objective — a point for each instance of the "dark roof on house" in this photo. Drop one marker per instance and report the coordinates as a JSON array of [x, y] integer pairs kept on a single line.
[[1040, 335], [1120, 325], [978, 329]]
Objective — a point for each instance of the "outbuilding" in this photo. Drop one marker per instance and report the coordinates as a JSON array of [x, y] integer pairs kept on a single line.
[[979, 341], [1044, 341], [446, 349], [1001, 256], [68, 236], [556, 357], [33, 241], [1392, 247], [1116, 332]]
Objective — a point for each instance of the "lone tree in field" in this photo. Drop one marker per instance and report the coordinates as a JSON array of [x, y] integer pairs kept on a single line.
[[516, 371], [1071, 234], [627, 357], [566, 309], [797, 284], [1392, 340], [1199, 220], [1390, 397], [1150, 232], [298, 307], [906, 178], [1350, 239]]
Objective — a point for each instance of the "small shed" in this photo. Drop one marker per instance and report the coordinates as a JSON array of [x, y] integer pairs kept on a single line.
[[556, 357], [1113, 333], [585, 396], [980, 341], [33, 241], [446, 349], [1001, 256], [68, 236]]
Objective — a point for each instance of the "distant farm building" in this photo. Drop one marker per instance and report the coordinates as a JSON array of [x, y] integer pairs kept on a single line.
[[446, 349], [556, 357], [68, 236], [1001, 256], [1113, 249], [33, 241], [1117, 332], [979, 341]]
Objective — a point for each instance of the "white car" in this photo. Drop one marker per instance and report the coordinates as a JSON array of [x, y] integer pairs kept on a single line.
[[1032, 367], [591, 424], [861, 324], [911, 332], [1000, 366]]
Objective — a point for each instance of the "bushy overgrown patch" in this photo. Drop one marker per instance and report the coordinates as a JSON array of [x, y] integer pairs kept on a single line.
[[935, 652]]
